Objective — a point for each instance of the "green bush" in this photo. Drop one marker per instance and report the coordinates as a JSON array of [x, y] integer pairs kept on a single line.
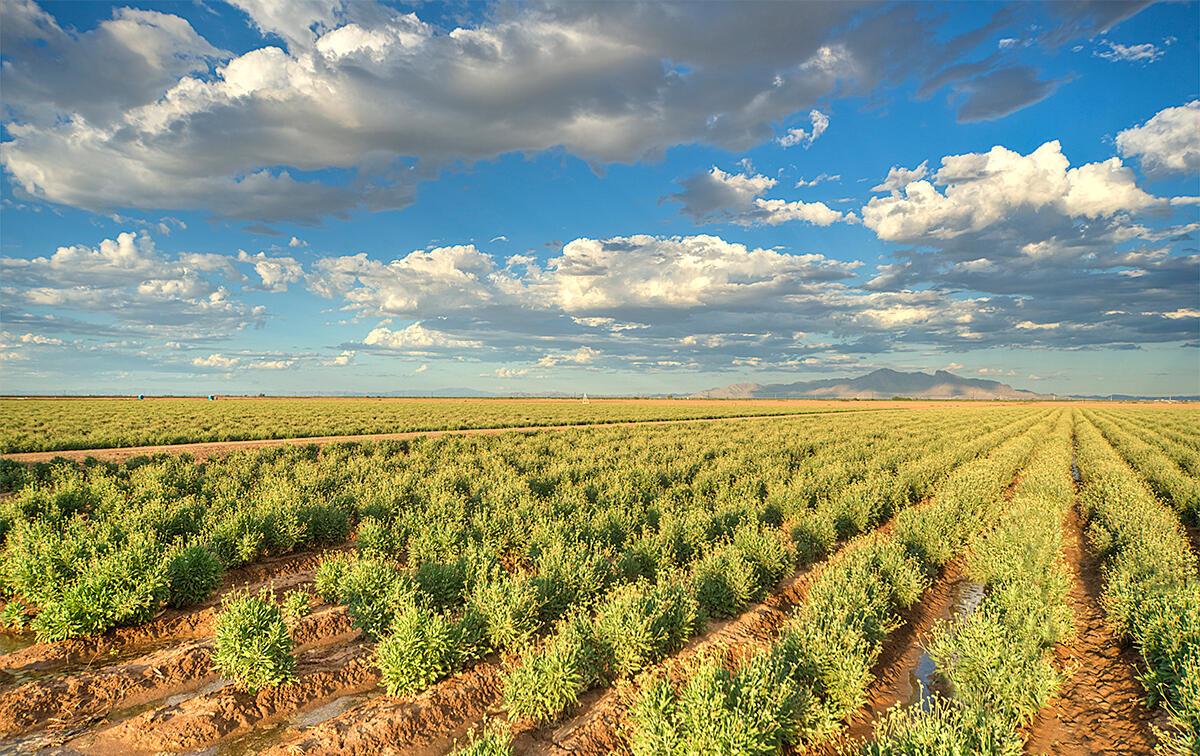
[[490, 741], [376, 539], [373, 593], [324, 523], [296, 604], [509, 608], [330, 573], [418, 651], [193, 572], [548, 679], [252, 643], [121, 587], [813, 536], [14, 616], [722, 581], [640, 624]]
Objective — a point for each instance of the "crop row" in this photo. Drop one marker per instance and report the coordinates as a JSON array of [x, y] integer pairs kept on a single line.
[[1175, 487], [648, 596], [59, 424], [87, 549], [997, 659], [1151, 592], [637, 627], [1182, 449], [800, 690]]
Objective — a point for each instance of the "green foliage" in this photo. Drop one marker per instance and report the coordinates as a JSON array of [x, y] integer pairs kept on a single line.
[[296, 604], [640, 624], [14, 616], [752, 712], [417, 651], [252, 644], [193, 572], [490, 741], [330, 573], [48, 424], [548, 679], [723, 582], [813, 536], [509, 608]]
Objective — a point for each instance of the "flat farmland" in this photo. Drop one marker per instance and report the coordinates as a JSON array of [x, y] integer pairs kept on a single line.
[[50, 424], [971, 578]]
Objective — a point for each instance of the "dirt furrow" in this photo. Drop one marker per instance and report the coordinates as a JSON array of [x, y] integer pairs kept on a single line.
[[65, 701], [903, 673], [427, 723], [1099, 709], [171, 626], [597, 728], [596, 725], [204, 720]]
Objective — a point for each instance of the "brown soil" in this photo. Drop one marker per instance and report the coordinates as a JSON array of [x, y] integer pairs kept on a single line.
[[424, 724], [596, 728], [201, 721], [1099, 709], [208, 449], [433, 721], [283, 573], [66, 701]]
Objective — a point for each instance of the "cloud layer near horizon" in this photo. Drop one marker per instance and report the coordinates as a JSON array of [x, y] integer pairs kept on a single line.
[[1068, 266]]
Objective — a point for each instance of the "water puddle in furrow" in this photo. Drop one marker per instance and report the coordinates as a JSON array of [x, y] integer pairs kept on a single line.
[[965, 596], [264, 736], [15, 678], [14, 641]]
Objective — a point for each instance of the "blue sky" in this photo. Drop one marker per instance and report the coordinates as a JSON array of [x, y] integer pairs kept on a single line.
[[317, 196]]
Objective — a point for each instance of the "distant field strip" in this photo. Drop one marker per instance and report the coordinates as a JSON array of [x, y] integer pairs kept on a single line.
[[32, 425], [209, 449]]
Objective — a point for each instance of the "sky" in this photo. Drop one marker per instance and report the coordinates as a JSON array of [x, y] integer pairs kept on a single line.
[[318, 196]]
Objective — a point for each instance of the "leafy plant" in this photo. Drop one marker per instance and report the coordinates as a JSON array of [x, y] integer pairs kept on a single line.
[[296, 604], [193, 572], [252, 643]]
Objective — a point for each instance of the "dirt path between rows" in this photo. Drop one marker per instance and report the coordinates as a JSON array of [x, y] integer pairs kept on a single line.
[[209, 449], [66, 701], [172, 626], [1099, 709]]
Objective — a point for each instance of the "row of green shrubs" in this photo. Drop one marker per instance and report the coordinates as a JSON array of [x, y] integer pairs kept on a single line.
[[55, 424], [92, 547], [1180, 444], [1151, 586], [803, 687], [642, 624], [997, 659], [433, 618], [1165, 477], [89, 552]]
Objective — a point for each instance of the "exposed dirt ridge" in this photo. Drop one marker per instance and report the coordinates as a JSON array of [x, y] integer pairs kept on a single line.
[[171, 626], [65, 701], [1099, 709]]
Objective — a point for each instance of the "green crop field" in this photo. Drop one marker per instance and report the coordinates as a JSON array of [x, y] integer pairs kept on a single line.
[[753, 587], [32, 425]]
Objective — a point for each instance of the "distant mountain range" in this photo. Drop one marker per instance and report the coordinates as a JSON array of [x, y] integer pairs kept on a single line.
[[880, 384]]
